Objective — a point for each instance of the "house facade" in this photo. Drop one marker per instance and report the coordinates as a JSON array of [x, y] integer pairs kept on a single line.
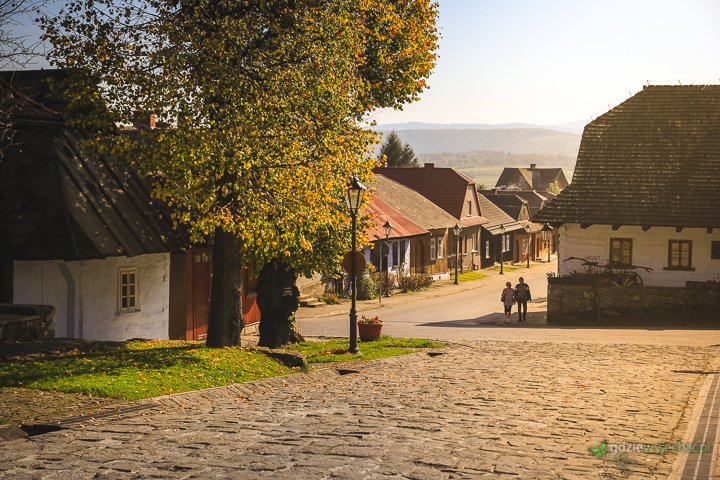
[[646, 190], [426, 253], [81, 232], [503, 238], [456, 195]]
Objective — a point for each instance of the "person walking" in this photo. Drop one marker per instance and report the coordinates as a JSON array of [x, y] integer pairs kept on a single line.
[[508, 299], [522, 296]]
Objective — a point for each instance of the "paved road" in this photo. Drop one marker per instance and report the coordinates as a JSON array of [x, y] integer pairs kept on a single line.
[[476, 314], [487, 410]]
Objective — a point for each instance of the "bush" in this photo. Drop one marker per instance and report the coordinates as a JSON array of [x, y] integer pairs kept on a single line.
[[367, 287], [388, 282], [330, 299], [414, 282]]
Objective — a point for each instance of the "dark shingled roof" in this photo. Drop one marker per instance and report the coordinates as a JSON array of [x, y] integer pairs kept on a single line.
[[535, 200], [496, 217], [531, 178], [59, 202], [654, 160], [513, 205]]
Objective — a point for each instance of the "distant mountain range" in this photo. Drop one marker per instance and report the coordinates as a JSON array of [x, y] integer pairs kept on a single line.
[[434, 138]]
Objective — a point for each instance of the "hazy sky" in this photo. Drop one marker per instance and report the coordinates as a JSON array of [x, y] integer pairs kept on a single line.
[[555, 61]]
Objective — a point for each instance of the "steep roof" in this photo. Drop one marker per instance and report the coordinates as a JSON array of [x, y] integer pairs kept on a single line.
[[516, 178], [535, 200], [497, 217], [403, 227], [445, 187], [513, 205], [60, 202], [653, 160], [411, 204]]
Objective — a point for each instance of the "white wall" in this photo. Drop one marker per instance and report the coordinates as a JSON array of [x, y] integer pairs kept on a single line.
[[96, 315], [649, 249]]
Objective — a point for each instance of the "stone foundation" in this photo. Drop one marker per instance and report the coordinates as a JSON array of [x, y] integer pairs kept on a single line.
[[26, 322], [585, 301]]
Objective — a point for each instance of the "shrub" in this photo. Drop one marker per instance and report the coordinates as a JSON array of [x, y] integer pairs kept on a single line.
[[414, 282], [388, 282], [367, 287], [330, 299]]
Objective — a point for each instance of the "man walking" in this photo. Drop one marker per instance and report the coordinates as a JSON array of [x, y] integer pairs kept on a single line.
[[522, 296]]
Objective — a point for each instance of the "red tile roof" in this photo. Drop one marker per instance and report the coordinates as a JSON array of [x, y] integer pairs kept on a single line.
[[403, 227]]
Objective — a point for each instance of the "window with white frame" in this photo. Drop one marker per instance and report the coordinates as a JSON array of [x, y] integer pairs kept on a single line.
[[433, 255], [128, 289], [474, 242], [506, 243], [439, 247], [487, 248], [398, 253]]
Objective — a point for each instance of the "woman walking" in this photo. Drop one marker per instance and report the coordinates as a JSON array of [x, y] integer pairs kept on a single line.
[[508, 300]]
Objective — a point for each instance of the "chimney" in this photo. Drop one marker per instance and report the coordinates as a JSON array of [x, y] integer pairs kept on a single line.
[[429, 165], [532, 166]]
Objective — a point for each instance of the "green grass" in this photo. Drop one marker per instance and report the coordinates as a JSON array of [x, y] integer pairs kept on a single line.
[[470, 276], [336, 350], [507, 268], [143, 369]]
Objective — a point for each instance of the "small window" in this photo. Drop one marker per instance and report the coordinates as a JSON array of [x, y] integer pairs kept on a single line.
[[715, 251], [679, 255], [127, 289], [433, 255], [487, 248], [474, 242], [439, 247], [621, 251], [469, 208], [506, 243]]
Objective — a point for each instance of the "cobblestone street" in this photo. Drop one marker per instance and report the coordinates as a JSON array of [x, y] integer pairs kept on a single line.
[[488, 409]]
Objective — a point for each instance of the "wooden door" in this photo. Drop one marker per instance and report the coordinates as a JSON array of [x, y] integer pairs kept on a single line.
[[201, 291]]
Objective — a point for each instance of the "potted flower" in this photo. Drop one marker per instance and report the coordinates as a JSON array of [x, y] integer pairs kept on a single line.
[[369, 328]]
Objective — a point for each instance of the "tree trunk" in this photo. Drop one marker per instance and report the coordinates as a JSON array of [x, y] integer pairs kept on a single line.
[[278, 300], [226, 321]]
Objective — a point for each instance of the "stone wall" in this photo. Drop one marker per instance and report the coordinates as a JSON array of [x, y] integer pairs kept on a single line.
[[584, 301], [26, 322]]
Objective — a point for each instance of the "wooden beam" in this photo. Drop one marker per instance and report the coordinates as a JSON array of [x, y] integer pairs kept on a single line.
[[616, 227], [709, 229], [645, 228]]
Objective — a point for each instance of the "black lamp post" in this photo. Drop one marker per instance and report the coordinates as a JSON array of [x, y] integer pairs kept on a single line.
[[456, 230], [545, 230], [354, 198], [502, 248], [387, 228], [527, 250]]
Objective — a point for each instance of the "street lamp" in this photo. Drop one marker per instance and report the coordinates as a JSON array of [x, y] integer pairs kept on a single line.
[[527, 249], [387, 228], [502, 248], [355, 191], [456, 230], [545, 230]]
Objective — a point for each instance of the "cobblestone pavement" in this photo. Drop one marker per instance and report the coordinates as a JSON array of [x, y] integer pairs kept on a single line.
[[488, 409]]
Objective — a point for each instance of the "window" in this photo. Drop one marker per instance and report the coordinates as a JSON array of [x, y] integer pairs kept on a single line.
[[621, 251], [469, 208], [463, 245], [439, 247], [127, 289], [474, 243], [398, 253], [506, 243], [487, 248], [432, 249], [715, 251], [679, 255]]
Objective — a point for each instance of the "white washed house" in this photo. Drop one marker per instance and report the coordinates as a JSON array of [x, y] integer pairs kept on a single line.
[[646, 189], [81, 232]]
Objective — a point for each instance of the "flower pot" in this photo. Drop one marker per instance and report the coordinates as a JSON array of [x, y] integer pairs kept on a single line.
[[369, 331]]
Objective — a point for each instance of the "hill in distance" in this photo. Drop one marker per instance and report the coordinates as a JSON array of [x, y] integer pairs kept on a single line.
[[541, 141]]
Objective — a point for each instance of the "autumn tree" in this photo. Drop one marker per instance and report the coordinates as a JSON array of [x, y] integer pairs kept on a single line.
[[263, 102], [394, 154]]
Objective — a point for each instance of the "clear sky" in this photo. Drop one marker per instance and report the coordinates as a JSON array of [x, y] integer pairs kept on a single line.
[[556, 61]]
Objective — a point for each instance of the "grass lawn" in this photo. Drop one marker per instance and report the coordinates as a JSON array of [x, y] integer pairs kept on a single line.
[[508, 268], [470, 276], [142, 369]]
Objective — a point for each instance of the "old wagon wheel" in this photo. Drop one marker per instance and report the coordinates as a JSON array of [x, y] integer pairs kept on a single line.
[[627, 279]]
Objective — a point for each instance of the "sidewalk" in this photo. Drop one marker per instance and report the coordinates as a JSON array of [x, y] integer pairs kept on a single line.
[[438, 289]]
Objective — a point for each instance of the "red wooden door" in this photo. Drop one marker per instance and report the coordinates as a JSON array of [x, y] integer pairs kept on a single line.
[[201, 288]]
